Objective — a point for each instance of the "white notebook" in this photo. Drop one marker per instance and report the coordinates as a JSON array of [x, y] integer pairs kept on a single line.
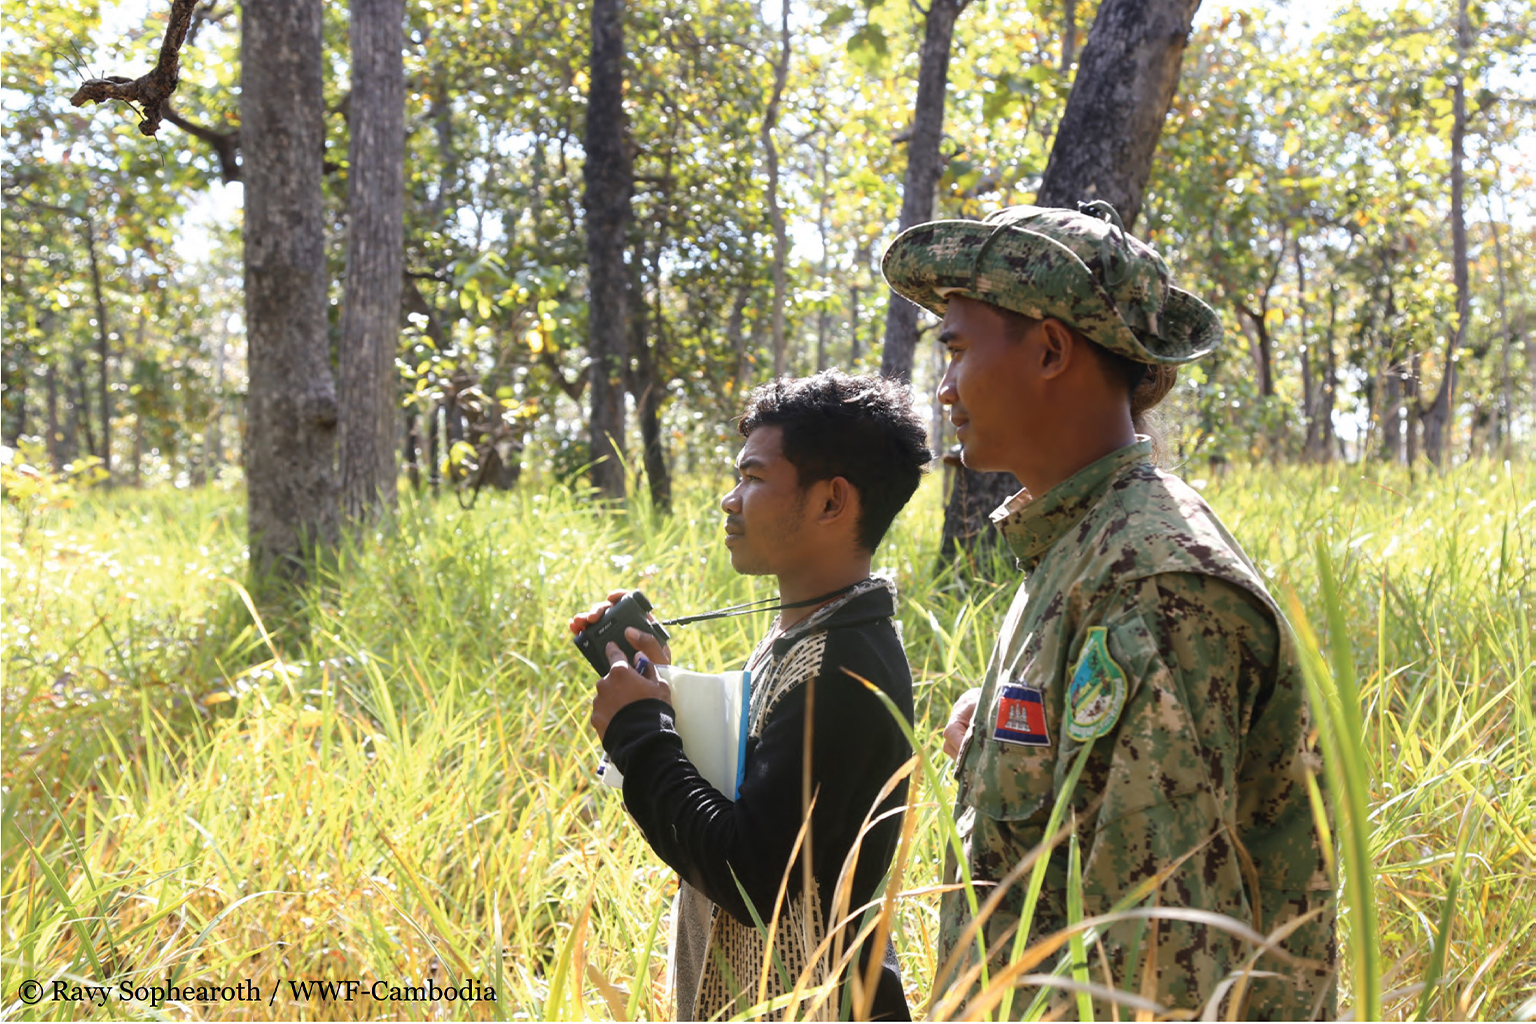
[[711, 718]]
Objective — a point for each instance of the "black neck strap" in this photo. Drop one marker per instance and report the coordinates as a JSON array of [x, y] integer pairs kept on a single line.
[[751, 607]]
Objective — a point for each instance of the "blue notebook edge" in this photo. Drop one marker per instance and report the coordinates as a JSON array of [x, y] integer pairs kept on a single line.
[[741, 738]]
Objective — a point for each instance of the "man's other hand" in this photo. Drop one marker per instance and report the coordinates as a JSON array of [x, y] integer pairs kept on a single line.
[[624, 685], [639, 639], [960, 720]]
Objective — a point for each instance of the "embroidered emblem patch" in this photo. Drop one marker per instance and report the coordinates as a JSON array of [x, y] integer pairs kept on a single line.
[[1021, 716], [1097, 691]]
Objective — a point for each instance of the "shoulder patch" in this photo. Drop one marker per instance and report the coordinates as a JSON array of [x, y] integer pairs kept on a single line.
[[1021, 716], [1096, 694]]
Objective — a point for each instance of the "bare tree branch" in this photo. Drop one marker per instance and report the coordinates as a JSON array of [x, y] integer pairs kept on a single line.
[[149, 91], [225, 144], [208, 14]]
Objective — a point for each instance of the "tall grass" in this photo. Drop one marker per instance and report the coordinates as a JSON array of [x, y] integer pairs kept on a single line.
[[404, 789]]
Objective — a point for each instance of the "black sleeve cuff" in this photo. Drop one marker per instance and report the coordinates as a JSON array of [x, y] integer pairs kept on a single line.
[[636, 726]]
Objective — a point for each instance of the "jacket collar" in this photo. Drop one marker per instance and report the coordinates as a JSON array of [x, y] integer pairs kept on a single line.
[[1032, 525], [870, 601]]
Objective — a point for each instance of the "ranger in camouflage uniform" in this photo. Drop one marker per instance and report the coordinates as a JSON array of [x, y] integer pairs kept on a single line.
[[1141, 631]]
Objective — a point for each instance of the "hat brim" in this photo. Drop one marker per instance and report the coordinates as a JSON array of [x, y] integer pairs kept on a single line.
[[931, 263], [1187, 328]]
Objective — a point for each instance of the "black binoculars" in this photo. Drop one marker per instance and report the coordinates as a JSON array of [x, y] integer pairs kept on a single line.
[[631, 610]]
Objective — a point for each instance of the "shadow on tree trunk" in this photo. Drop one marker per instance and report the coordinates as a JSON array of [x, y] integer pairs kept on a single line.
[[969, 536]]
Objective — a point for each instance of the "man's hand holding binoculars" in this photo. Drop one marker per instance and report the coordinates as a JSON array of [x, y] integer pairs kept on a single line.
[[624, 683]]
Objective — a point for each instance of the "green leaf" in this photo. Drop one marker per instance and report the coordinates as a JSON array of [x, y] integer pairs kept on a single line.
[[840, 15], [868, 48], [998, 103]]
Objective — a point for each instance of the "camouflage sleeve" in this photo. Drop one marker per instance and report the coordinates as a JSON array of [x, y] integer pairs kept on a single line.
[[1199, 654]]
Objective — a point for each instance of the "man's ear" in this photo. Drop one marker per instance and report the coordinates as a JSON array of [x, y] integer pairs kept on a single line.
[[839, 498], [1057, 348]]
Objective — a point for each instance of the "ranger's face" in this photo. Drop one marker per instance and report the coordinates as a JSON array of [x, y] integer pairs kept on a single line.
[[986, 385]]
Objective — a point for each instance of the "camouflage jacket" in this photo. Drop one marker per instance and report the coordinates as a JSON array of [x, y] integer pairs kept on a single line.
[[1142, 628]]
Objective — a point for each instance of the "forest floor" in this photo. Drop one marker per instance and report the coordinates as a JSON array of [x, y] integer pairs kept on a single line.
[[404, 790]]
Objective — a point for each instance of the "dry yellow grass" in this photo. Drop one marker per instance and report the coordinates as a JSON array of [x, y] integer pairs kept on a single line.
[[406, 793]]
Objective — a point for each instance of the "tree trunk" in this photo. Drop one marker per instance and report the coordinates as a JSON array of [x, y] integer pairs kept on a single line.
[[1505, 433], [136, 477], [649, 392], [924, 166], [972, 497], [80, 410], [290, 448], [609, 178], [758, 335], [1103, 150], [1123, 89], [69, 443], [193, 414], [936, 438], [440, 113], [197, 462], [1263, 349], [1310, 396], [824, 315], [136, 473], [414, 301], [215, 445], [54, 438], [1391, 391], [413, 448], [103, 350], [1068, 33], [1480, 434], [13, 375], [453, 416], [853, 327], [511, 454], [1411, 424], [1437, 417], [434, 459], [736, 336], [1323, 452], [775, 210], [370, 316]]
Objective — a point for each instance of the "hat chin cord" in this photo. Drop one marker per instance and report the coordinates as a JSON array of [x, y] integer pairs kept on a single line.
[[1114, 261], [981, 253]]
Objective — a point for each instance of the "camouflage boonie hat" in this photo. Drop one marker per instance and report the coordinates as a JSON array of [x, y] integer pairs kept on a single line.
[[1077, 266]]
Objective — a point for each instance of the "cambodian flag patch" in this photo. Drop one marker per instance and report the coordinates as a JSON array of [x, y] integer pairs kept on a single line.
[[1021, 716]]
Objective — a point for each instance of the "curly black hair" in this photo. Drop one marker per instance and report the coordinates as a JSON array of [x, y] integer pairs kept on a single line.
[[862, 429]]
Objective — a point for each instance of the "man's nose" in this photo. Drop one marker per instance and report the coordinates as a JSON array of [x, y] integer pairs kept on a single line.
[[730, 504], [948, 393]]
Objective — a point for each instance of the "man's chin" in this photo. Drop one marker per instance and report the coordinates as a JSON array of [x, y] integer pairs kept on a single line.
[[976, 461], [744, 564]]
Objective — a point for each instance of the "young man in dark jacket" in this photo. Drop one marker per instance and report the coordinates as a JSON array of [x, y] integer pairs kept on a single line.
[[828, 462]]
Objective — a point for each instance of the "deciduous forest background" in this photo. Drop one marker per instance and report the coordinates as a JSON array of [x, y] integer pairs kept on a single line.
[[1307, 181]]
